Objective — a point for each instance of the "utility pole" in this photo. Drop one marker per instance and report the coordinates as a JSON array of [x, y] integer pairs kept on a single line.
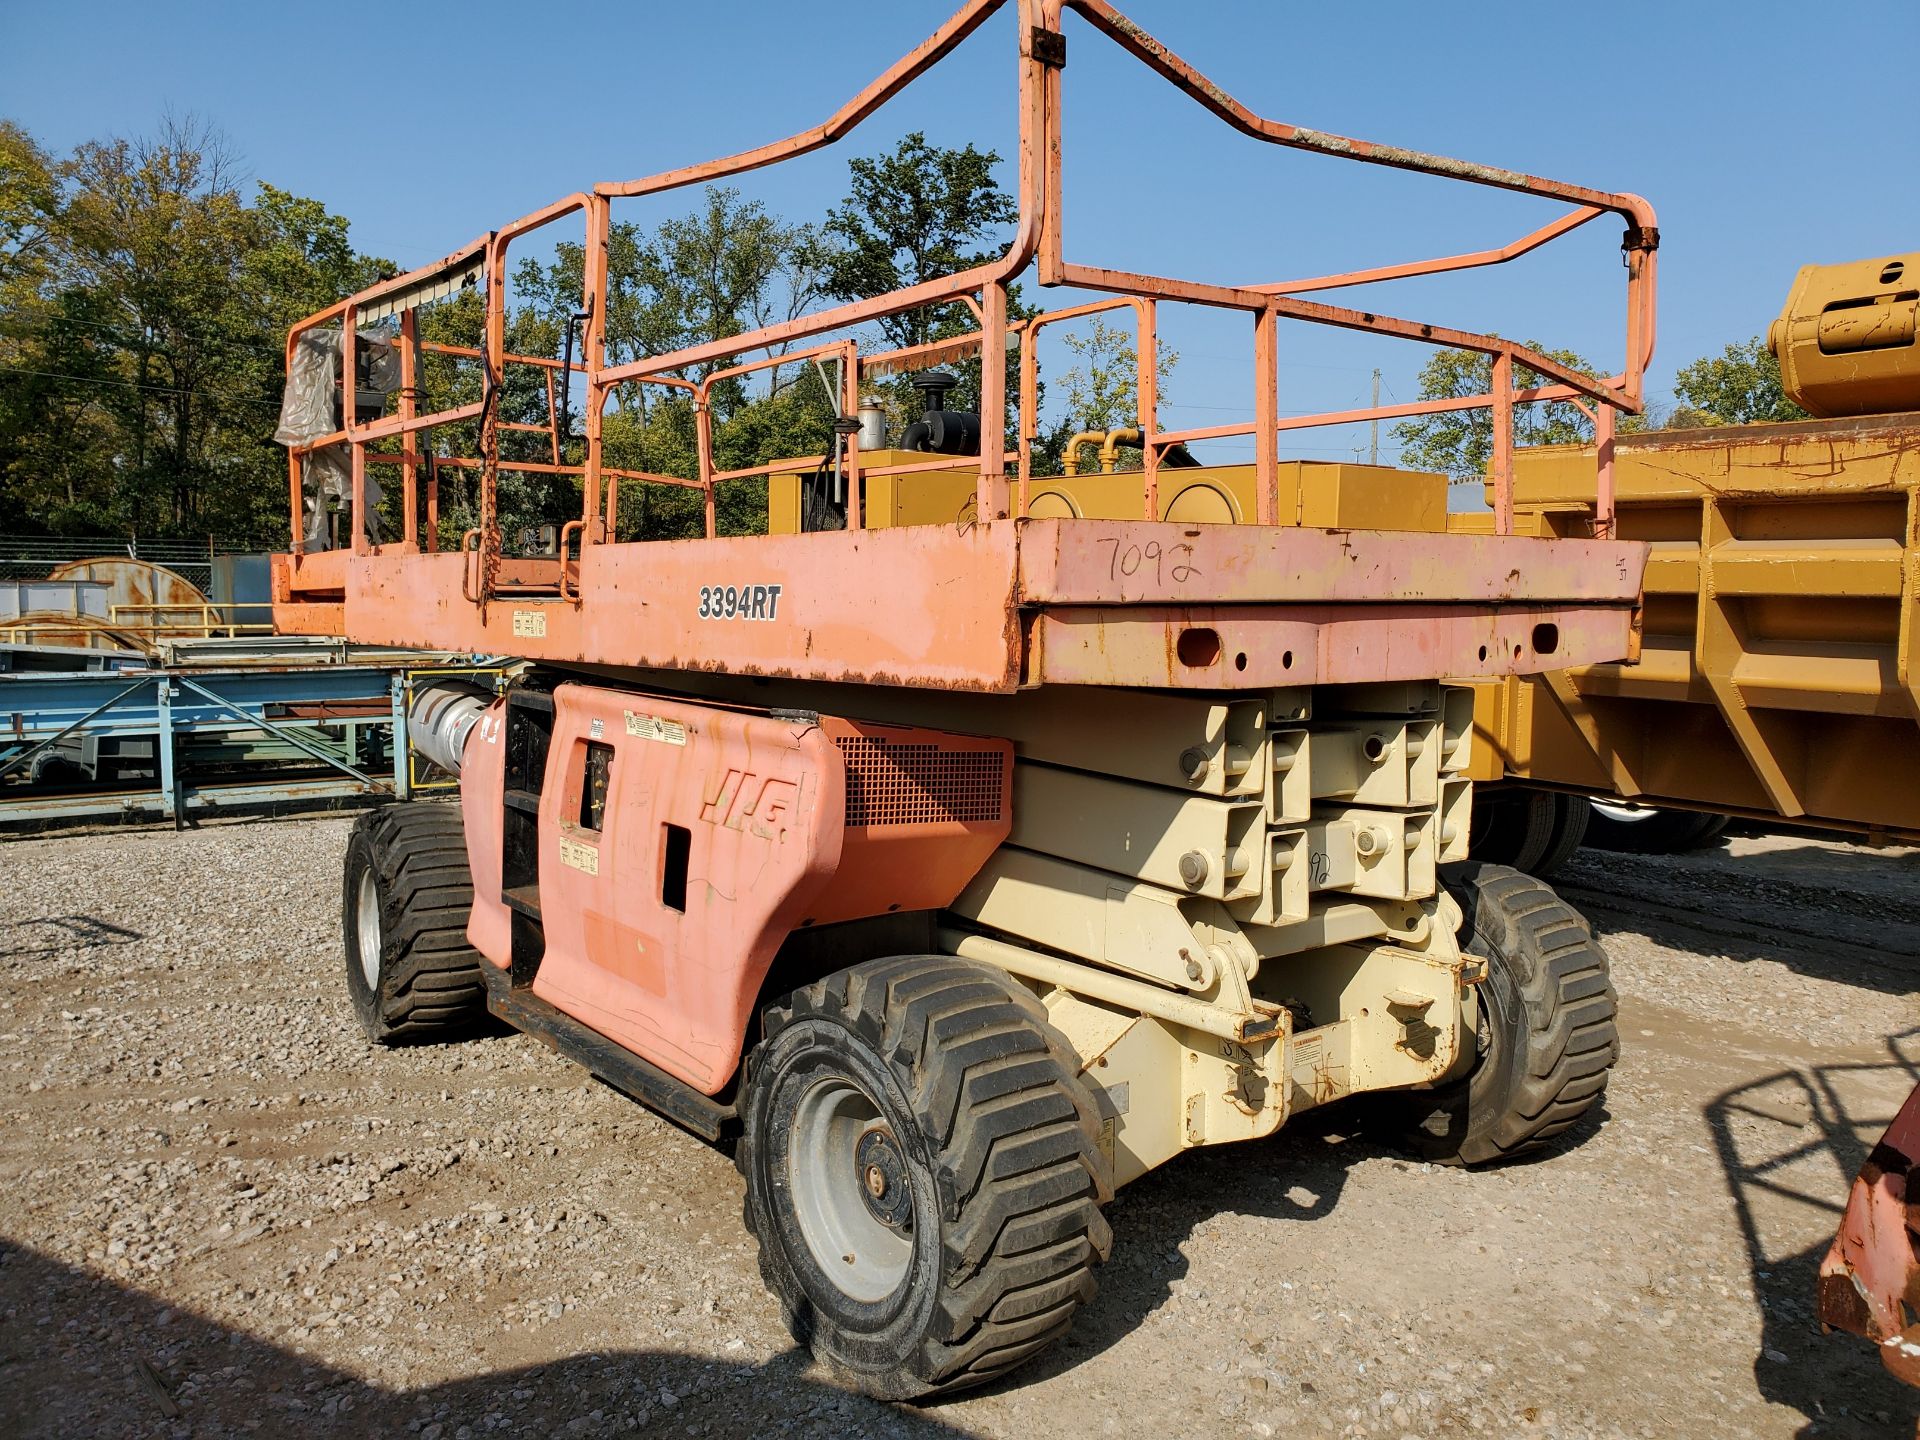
[[1373, 450]]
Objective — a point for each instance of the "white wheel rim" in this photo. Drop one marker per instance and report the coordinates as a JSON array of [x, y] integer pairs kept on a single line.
[[1624, 814], [863, 1257], [366, 914]]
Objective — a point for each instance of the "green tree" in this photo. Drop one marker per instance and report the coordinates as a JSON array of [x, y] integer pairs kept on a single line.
[[40, 419], [728, 267], [1460, 442], [158, 232], [916, 213], [29, 212], [146, 304], [302, 258], [1740, 386], [1102, 388]]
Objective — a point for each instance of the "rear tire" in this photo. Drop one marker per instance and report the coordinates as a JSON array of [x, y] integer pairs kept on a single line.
[[1532, 830], [1571, 814], [923, 1174], [407, 895], [1646, 831], [1547, 1035]]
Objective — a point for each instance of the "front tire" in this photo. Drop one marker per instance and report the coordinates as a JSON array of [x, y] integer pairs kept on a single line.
[[923, 1174], [406, 897], [1547, 1037]]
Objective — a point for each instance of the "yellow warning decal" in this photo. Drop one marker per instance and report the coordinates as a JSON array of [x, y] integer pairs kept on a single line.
[[579, 856], [653, 727]]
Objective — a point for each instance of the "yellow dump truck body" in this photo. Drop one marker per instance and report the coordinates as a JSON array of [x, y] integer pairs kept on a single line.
[[1779, 674]]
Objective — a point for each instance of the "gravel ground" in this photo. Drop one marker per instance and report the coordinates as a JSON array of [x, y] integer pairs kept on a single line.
[[228, 1216]]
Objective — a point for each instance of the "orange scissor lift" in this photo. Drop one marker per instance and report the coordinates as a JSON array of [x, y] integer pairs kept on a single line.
[[966, 867]]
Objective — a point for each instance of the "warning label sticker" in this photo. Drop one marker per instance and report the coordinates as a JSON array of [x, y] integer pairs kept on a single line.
[[530, 623], [579, 856], [653, 727]]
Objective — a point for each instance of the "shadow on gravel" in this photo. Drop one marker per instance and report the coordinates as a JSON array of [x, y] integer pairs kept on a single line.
[[82, 1355], [157, 822], [1758, 908], [1790, 1144], [1294, 1177], [51, 934]]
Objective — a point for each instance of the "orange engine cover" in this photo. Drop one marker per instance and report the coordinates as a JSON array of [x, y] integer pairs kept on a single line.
[[679, 844]]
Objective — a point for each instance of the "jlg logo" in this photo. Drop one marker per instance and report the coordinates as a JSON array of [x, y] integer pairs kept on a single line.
[[741, 800]]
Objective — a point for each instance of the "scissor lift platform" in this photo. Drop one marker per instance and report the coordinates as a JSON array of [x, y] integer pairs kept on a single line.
[[994, 607], [1071, 809]]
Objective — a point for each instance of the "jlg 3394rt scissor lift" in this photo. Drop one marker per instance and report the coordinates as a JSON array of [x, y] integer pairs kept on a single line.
[[973, 841]]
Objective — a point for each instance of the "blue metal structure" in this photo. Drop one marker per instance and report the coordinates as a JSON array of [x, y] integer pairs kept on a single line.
[[217, 725]]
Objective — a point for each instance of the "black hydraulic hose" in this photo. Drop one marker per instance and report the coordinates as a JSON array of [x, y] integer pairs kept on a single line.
[[563, 422]]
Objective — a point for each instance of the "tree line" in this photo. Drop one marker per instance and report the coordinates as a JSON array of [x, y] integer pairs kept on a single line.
[[145, 297], [143, 308], [1740, 386], [146, 289]]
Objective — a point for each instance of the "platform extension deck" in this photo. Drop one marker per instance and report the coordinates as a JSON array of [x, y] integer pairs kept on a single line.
[[996, 606]]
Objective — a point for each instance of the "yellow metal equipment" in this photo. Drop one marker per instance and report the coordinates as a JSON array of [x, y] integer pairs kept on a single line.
[[1848, 341], [1779, 673], [1312, 493]]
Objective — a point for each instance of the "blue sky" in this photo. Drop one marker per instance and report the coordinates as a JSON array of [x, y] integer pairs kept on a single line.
[[1768, 135]]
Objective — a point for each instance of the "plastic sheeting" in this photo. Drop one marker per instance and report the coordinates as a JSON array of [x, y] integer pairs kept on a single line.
[[310, 408]]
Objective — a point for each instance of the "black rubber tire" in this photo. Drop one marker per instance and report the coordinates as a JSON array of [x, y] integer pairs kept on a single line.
[[1512, 826], [1661, 832], [429, 981], [1547, 1034], [1571, 815], [1001, 1147], [1536, 831]]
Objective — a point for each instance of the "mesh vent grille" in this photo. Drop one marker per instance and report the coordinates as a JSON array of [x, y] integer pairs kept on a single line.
[[907, 784]]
